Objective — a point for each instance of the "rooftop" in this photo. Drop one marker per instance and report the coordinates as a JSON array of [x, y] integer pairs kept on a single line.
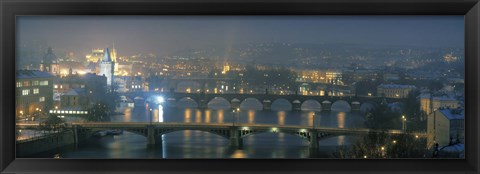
[[395, 86], [26, 74], [453, 114]]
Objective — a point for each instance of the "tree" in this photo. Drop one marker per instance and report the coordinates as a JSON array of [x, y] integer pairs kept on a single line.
[[383, 145], [52, 123], [383, 118], [98, 112]]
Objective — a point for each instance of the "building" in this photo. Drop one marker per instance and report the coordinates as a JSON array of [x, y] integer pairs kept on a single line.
[[394, 90], [34, 92], [76, 97], [107, 67], [445, 126], [429, 103], [49, 63]]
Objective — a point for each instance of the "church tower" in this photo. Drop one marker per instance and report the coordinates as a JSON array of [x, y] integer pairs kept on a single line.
[[107, 67], [49, 62]]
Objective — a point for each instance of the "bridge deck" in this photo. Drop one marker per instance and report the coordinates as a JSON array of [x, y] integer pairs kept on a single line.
[[124, 125]]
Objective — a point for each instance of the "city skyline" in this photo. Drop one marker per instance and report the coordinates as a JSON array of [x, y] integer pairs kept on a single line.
[[240, 87]]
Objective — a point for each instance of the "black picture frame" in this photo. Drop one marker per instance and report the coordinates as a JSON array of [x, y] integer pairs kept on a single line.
[[11, 8]]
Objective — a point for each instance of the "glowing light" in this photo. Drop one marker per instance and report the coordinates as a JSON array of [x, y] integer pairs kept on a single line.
[[274, 129], [160, 99]]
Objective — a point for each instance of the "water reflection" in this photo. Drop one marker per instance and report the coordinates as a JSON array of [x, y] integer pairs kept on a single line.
[[207, 116], [220, 116], [281, 118], [341, 119], [251, 116], [188, 115]]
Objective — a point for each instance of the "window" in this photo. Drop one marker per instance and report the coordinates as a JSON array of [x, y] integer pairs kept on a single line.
[[19, 84], [35, 91], [44, 83], [42, 99], [35, 83], [25, 92], [25, 83], [55, 86]]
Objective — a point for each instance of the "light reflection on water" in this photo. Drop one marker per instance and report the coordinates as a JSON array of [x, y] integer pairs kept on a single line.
[[200, 144]]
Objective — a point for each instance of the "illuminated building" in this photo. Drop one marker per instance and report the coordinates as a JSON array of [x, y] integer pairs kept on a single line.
[[226, 68], [429, 103], [107, 67], [34, 91], [445, 126], [394, 91], [49, 62], [97, 55], [449, 58]]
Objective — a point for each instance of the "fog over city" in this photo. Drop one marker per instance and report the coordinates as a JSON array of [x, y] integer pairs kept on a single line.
[[163, 35]]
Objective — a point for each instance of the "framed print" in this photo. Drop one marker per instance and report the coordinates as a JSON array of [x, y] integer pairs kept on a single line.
[[189, 87]]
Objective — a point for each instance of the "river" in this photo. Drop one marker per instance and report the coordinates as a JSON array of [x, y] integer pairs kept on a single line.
[[198, 144]]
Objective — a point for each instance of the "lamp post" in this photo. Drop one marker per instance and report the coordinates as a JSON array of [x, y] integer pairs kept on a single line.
[[151, 116], [313, 120], [404, 125]]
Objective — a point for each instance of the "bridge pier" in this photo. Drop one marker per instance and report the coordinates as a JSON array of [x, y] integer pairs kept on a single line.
[[314, 139], [355, 106], [235, 103], [235, 139], [75, 135], [202, 104], [296, 105], [313, 144], [151, 138], [267, 104], [326, 106]]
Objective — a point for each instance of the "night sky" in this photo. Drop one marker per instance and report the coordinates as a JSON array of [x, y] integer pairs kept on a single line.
[[166, 34]]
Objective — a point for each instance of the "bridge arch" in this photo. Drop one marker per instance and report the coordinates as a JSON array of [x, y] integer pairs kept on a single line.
[[302, 134], [219, 103], [281, 104], [341, 105], [187, 102], [221, 133], [251, 104], [311, 105]]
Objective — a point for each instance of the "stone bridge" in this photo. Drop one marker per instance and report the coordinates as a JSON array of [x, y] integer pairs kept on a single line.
[[234, 133], [202, 99]]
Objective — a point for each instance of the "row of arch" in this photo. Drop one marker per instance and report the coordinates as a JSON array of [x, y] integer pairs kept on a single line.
[[280, 104]]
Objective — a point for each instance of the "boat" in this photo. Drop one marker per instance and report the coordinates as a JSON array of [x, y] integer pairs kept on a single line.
[[114, 132], [57, 156], [100, 133]]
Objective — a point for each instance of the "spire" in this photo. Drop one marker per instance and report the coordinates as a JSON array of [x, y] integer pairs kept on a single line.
[[50, 50], [106, 55]]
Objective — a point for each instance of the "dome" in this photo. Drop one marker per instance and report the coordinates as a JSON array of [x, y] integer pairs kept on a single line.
[[49, 58]]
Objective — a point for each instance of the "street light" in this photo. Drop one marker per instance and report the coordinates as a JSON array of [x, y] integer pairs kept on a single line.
[[151, 116], [404, 126], [313, 120]]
